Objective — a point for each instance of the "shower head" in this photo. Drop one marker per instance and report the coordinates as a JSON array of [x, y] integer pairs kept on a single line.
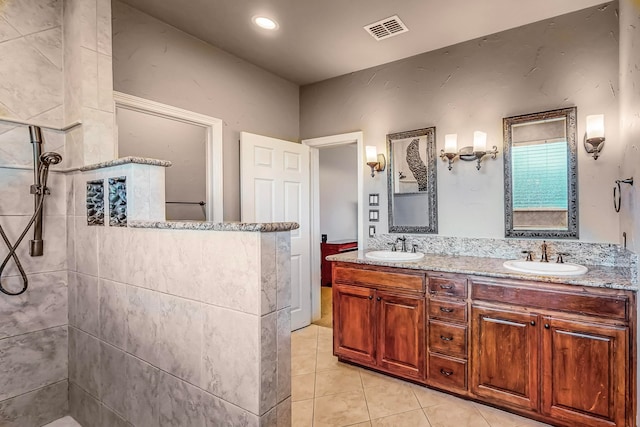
[[50, 158]]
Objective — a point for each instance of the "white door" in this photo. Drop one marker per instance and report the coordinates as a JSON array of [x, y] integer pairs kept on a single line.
[[274, 176]]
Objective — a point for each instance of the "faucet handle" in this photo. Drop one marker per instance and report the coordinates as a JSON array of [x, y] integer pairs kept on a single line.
[[393, 247], [529, 255], [414, 247], [560, 260]]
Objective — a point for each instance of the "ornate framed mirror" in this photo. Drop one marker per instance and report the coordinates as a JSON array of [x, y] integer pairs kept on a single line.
[[411, 185], [541, 175]]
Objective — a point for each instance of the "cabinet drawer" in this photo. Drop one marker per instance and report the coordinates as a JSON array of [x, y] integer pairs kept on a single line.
[[448, 310], [447, 373], [444, 286], [448, 339], [396, 280], [615, 306]]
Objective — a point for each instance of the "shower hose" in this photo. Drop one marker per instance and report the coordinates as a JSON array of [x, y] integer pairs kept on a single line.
[[12, 248]]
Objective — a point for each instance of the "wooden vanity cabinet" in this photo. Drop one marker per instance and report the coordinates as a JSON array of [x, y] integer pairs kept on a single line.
[[378, 324], [569, 364], [447, 332], [560, 354]]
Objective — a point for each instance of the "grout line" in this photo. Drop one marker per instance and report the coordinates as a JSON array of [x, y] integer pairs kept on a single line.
[[36, 331], [34, 390]]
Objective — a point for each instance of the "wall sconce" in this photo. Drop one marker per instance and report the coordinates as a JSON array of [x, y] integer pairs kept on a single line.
[[594, 136], [468, 154], [376, 162]]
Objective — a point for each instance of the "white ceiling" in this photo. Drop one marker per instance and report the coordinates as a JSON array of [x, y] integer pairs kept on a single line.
[[320, 39]]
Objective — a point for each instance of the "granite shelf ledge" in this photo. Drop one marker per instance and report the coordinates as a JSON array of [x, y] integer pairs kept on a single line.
[[265, 227], [598, 276], [127, 160]]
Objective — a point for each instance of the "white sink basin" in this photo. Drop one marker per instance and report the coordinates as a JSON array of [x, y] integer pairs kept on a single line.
[[545, 268], [394, 256]]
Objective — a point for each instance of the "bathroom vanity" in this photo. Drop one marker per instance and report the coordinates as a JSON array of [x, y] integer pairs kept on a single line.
[[558, 350]]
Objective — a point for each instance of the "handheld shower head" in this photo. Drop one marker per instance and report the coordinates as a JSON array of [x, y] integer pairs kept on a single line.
[[50, 158]]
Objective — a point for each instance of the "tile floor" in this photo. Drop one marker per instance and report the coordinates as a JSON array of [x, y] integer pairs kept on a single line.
[[326, 393], [64, 422]]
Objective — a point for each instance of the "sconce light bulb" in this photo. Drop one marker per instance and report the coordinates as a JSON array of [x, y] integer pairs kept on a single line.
[[371, 154], [451, 143], [595, 126], [479, 141]]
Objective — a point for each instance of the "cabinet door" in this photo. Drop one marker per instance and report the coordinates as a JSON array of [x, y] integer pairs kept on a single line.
[[353, 323], [584, 369], [505, 357], [401, 341]]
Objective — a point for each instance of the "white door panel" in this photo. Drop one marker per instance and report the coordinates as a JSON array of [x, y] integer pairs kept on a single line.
[[275, 187]]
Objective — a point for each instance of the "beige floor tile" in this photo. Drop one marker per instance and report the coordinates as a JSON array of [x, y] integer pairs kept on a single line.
[[303, 365], [303, 347], [342, 379], [390, 399], [303, 387], [310, 331], [325, 345], [326, 361], [364, 424], [428, 397], [302, 413], [460, 415], [376, 379], [498, 418], [415, 418], [342, 409]]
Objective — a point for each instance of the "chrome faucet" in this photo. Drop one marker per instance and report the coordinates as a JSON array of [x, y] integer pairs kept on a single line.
[[544, 252], [403, 239]]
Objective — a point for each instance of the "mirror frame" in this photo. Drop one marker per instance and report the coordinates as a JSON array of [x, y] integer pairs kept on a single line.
[[571, 232], [432, 185]]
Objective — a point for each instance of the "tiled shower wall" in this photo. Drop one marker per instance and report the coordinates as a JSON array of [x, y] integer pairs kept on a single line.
[[33, 326], [173, 328]]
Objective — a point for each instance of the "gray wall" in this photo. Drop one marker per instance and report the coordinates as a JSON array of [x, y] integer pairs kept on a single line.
[[339, 192], [185, 145], [33, 326], [156, 61], [565, 61], [630, 118]]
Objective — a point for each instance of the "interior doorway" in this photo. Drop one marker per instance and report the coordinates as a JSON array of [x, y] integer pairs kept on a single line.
[[336, 209]]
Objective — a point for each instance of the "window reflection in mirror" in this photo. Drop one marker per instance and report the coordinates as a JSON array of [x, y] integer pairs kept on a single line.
[[540, 175], [412, 181]]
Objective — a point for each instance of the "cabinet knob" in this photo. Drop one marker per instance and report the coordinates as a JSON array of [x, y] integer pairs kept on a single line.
[[533, 323], [370, 296], [379, 299], [546, 326], [446, 373]]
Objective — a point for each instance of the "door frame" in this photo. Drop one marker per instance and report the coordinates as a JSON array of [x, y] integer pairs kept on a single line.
[[314, 159], [213, 128]]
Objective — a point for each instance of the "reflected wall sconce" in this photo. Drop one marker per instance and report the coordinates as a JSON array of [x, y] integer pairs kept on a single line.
[[594, 136], [377, 162], [469, 153]]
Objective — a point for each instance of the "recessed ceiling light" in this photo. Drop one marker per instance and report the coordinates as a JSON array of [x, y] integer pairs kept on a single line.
[[264, 22]]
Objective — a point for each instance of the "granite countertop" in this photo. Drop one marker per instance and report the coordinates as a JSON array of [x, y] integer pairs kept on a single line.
[[126, 160], [597, 276], [266, 227]]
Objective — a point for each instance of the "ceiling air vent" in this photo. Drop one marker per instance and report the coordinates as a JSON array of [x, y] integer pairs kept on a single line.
[[386, 28]]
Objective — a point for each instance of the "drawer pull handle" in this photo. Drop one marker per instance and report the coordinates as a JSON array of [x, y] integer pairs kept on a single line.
[[446, 310], [446, 373], [443, 338], [446, 286]]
